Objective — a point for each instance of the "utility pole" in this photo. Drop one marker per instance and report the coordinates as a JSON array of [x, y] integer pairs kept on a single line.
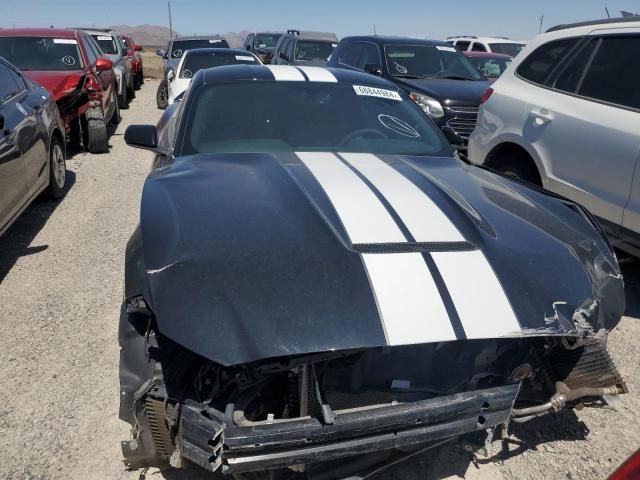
[[170, 22], [540, 27]]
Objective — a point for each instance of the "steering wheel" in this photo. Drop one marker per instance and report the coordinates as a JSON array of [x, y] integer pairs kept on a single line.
[[361, 132]]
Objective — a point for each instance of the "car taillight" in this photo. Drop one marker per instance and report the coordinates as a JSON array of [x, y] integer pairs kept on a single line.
[[630, 470], [486, 95]]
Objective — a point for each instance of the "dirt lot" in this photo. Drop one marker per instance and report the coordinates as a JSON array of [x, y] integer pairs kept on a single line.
[[61, 272]]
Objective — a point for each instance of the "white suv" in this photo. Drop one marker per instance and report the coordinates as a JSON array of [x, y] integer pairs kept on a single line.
[[566, 116], [486, 44]]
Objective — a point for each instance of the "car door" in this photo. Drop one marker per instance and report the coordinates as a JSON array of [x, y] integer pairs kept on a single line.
[[584, 125], [631, 217], [248, 43], [13, 188]]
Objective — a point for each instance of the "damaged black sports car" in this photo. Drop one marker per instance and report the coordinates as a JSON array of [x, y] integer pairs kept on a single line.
[[317, 276]]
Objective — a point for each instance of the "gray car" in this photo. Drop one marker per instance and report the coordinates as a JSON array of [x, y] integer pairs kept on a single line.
[[304, 48], [172, 55], [113, 48]]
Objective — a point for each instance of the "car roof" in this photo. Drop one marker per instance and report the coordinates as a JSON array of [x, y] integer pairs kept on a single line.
[[199, 37], [241, 73], [488, 55], [229, 51], [96, 30], [484, 39], [390, 40], [311, 35], [39, 32], [608, 22]]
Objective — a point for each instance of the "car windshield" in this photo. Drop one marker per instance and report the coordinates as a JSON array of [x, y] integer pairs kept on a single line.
[[426, 61], [511, 49], [181, 46], [314, 49], [195, 61], [491, 67], [107, 44], [303, 116], [41, 53], [266, 40]]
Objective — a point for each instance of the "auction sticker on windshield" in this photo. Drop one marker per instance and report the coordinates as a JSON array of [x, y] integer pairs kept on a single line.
[[377, 92], [445, 49], [245, 58], [64, 41], [104, 37]]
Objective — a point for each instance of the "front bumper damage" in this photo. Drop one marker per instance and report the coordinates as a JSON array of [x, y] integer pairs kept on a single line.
[[204, 437]]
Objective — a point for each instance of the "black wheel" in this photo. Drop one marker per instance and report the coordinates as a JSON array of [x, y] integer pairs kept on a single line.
[[515, 166], [57, 170], [123, 100], [131, 91], [141, 78], [162, 96], [137, 81], [115, 116], [96, 132]]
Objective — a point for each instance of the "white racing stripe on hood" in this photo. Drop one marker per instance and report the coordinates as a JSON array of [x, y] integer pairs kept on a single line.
[[317, 74], [482, 305], [364, 217], [408, 300], [423, 218], [286, 73]]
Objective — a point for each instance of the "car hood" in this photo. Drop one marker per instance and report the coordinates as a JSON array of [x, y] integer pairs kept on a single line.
[[447, 91], [59, 83], [253, 256]]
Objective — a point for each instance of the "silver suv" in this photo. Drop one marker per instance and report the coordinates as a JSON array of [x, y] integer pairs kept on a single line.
[[112, 46], [565, 116]]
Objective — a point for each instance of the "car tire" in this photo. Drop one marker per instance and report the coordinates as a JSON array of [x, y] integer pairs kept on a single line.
[[123, 100], [115, 116], [513, 166], [162, 95], [57, 170], [141, 78], [132, 91], [96, 132]]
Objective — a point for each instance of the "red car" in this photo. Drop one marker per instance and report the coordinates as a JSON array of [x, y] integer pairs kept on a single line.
[[70, 65], [136, 60], [491, 65]]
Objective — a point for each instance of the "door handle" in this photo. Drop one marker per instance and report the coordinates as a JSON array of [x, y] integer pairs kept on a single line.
[[542, 116]]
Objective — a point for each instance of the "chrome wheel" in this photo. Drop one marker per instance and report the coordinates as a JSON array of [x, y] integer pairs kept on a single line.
[[58, 165]]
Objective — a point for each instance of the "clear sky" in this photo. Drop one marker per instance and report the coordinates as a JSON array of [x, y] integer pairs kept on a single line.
[[423, 18]]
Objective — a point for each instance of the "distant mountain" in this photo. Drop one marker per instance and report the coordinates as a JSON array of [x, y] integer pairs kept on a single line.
[[158, 36]]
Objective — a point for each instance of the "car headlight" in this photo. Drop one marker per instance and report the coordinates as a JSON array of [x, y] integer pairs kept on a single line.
[[429, 105]]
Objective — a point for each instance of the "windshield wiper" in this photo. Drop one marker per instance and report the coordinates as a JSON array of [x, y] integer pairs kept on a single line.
[[414, 77], [456, 77]]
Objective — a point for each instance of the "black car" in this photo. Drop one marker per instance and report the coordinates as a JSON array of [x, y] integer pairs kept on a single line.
[[172, 55], [317, 276], [262, 45], [304, 48], [32, 146], [440, 79]]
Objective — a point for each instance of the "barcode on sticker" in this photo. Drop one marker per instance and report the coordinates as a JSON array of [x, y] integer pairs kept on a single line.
[[245, 58], [377, 92], [64, 41]]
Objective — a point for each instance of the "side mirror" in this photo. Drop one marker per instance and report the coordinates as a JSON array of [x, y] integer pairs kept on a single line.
[[373, 69], [249, 48], [170, 75], [453, 137], [137, 48], [161, 53], [142, 136], [103, 64]]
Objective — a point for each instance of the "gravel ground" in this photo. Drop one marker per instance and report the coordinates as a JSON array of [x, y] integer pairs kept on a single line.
[[61, 273]]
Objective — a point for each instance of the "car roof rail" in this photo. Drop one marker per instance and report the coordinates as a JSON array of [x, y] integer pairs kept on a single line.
[[462, 36], [604, 21], [95, 29]]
